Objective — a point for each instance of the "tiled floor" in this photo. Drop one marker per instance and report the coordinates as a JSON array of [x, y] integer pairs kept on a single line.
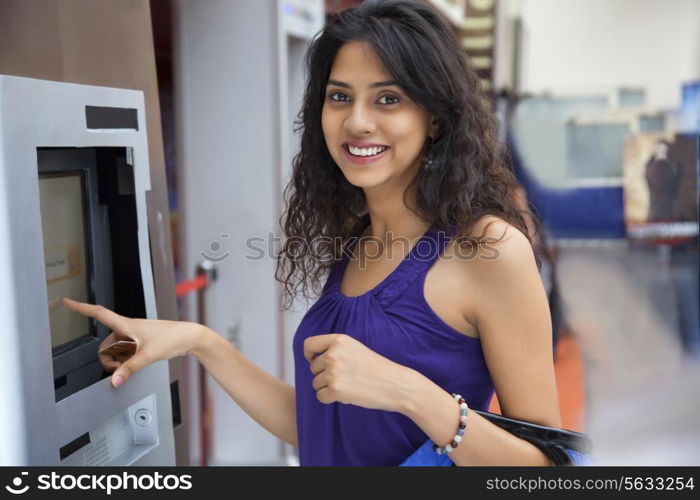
[[642, 401]]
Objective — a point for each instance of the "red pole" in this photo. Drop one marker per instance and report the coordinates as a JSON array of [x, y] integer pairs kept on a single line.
[[206, 274]]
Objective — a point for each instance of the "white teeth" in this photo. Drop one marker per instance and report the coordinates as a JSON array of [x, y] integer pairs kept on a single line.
[[366, 151]]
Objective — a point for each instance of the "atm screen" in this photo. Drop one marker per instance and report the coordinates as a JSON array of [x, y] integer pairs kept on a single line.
[[63, 222]]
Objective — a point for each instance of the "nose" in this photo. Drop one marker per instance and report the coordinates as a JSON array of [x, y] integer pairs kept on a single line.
[[360, 120]]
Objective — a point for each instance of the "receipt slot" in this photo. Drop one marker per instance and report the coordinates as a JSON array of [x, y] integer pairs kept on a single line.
[[74, 175]]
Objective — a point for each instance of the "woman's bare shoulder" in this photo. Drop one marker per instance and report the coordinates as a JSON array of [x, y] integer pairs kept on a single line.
[[491, 254], [466, 269], [496, 253], [488, 233]]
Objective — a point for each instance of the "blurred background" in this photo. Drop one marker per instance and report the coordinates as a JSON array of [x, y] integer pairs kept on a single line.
[[598, 103]]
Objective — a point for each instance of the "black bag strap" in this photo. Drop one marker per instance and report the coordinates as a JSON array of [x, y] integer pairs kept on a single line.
[[551, 440]]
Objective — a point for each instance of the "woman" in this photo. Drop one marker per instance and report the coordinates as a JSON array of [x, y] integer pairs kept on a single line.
[[408, 315]]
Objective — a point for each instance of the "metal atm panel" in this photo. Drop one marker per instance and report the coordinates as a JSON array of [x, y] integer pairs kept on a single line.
[[57, 406]]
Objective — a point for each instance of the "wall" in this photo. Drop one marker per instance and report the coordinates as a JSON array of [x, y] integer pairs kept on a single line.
[[581, 44], [228, 149]]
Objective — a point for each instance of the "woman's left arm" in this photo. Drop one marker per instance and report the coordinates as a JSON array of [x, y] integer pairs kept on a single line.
[[515, 329]]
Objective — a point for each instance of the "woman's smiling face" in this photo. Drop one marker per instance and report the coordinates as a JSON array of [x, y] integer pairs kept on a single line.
[[373, 131]]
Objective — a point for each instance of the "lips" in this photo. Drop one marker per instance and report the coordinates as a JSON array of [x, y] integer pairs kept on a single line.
[[363, 160], [362, 144]]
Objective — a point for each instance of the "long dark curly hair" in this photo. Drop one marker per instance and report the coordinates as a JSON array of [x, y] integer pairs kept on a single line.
[[469, 178]]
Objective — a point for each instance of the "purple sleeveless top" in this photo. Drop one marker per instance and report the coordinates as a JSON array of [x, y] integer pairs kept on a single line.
[[394, 320]]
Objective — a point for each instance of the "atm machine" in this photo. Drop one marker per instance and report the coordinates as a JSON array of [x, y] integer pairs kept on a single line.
[[74, 174]]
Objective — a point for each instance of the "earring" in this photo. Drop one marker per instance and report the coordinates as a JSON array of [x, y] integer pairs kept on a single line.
[[428, 158]]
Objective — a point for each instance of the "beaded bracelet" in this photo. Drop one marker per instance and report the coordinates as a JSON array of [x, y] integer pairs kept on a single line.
[[463, 410]]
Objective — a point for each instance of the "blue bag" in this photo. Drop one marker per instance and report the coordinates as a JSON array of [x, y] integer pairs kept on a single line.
[[562, 446]]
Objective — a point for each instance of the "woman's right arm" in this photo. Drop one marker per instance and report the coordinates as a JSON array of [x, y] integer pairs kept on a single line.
[[267, 399]]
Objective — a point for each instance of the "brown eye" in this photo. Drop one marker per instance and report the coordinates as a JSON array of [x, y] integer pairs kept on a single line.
[[333, 96], [392, 99]]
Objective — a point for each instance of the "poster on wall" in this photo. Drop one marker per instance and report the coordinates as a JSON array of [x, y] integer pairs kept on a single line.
[[661, 187]]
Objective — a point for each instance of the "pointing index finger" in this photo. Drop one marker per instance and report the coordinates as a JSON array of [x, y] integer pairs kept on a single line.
[[108, 318]]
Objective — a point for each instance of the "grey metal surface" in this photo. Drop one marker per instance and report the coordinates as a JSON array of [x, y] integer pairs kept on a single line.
[[38, 113]]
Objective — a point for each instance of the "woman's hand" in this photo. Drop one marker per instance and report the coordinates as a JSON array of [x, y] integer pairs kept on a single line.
[[348, 372], [156, 340]]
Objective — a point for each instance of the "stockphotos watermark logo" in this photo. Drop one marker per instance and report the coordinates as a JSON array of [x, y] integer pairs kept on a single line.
[[102, 482], [18, 487], [319, 248]]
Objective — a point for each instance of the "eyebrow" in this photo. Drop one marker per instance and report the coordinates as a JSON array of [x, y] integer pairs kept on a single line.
[[374, 85]]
